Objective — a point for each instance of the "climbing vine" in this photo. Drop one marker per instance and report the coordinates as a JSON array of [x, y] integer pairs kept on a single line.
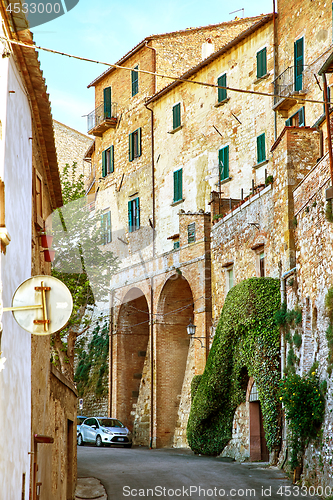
[[246, 343], [329, 331], [290, 320], [91, 374]]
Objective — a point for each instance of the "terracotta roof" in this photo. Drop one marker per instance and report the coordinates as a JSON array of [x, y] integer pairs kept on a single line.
[[27, 60], [215, 55], [146, 40]]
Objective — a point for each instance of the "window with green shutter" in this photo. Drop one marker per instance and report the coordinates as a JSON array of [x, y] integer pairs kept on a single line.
[[133, 215], [297, 119], [134, 144], [261, 148], [222, 93], [106, 235], [176, 244], [107, 161], [178, 185], [191, 233], [261, 63], [135, 80], [107, 102], [224, 163], [176, 118], [299, 63]]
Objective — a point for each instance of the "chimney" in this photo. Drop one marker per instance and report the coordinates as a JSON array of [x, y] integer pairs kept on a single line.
[[207, 48]]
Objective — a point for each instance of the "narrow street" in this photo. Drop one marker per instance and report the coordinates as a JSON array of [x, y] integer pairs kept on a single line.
[[174, 473]]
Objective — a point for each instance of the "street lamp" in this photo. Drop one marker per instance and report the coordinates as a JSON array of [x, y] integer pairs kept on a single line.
[[191, 328]]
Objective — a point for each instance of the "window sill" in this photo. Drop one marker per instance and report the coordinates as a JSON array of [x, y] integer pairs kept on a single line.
[[175, 203], [175, 129], [263, 77], [226, 180], [262, 163], [220, 103]]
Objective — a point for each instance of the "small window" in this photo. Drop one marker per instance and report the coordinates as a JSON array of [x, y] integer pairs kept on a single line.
[[297, 120], [176, 118], [262, 264], [178, 185], [106, 235], [261, 63], [176, 244], [261, 149], [224, 163], [107, 103], [108, 161], [191, 233], [222, 93], [135, 80], [133, 215], [135, 144], [298, 63], [230, 278]]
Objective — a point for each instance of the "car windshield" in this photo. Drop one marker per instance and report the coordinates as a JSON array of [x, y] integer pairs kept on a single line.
[[80, 420], [110, 422]]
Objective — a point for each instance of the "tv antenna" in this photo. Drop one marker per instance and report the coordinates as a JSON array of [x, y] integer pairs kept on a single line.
[[234, 11]]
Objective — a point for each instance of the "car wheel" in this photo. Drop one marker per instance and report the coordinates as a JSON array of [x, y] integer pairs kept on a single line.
[[128, 445], [80, 441], [99, 441]]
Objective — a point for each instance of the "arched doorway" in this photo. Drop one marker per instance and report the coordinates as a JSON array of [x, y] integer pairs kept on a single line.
[[175, 308], [258, 446], [131, 347]]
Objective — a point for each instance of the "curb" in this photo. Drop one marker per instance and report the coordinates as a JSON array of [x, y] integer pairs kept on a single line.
[[89, 488]]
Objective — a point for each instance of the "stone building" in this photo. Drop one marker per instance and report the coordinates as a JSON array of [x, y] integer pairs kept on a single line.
[[157, 223], [37, 404]]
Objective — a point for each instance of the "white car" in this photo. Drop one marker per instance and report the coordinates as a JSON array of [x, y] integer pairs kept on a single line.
[[104, 430]]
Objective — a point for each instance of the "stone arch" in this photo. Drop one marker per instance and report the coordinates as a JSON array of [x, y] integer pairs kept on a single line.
[[131, 343], [175, 308]]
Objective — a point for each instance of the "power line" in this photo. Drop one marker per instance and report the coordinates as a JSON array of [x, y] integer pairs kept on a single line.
[[170, 77]]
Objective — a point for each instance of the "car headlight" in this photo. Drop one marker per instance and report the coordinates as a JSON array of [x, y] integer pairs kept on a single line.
[[107, 431]]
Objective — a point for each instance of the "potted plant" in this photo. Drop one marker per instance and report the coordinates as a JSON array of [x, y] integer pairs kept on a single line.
[[46, 240]]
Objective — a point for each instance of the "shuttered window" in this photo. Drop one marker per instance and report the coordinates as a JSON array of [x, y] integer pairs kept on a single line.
[[222, 93], [261, 148], [107, 102], [176, 118], [224, 163], [107, 161], [191, 232], [133, 215], [135, 80], [178, 185], [297, 120], [299, 63], [135, 144], [106, 235], [261, 63]]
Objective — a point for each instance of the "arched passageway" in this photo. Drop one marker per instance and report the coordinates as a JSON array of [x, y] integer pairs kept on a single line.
[[257, 440], [175, 308], [131, 346]]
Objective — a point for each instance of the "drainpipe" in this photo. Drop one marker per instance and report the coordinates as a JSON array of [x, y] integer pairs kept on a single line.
[[275, 60], [111, 352], [329, 137], [284, 300]]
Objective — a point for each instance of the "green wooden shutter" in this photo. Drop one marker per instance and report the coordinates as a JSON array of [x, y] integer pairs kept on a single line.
[[301, 117], [224, 163], [103, 163], [261, 148], [178, 185], [222, 93], [112, 159], [288, 122], [298, 63], [130, 217], [135, 81], [130, 147], [176, 121], [139, 142], [261, 63], [137, 213], [107, 102]]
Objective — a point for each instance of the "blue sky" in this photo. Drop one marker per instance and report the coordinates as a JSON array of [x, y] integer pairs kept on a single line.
[[105, 30]]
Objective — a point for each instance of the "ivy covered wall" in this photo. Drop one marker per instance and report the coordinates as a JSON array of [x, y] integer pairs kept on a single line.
[[246, 343]]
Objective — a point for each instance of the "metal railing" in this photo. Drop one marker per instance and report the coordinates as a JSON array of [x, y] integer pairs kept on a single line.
[[99, 115], [284, 84]]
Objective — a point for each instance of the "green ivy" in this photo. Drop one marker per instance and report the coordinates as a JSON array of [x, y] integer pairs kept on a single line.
[[246, 343], [290, 319], [304, 402], [329, 332], [329, 211], [91, 374]]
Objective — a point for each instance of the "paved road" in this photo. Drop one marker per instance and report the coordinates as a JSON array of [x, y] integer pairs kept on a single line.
[[143, 473]]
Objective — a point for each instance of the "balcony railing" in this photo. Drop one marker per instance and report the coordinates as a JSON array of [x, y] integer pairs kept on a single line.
[[287, 87], [284, 84], [102, 118]]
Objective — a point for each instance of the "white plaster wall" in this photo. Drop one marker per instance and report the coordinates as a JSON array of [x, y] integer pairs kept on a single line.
[[15, 379]]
